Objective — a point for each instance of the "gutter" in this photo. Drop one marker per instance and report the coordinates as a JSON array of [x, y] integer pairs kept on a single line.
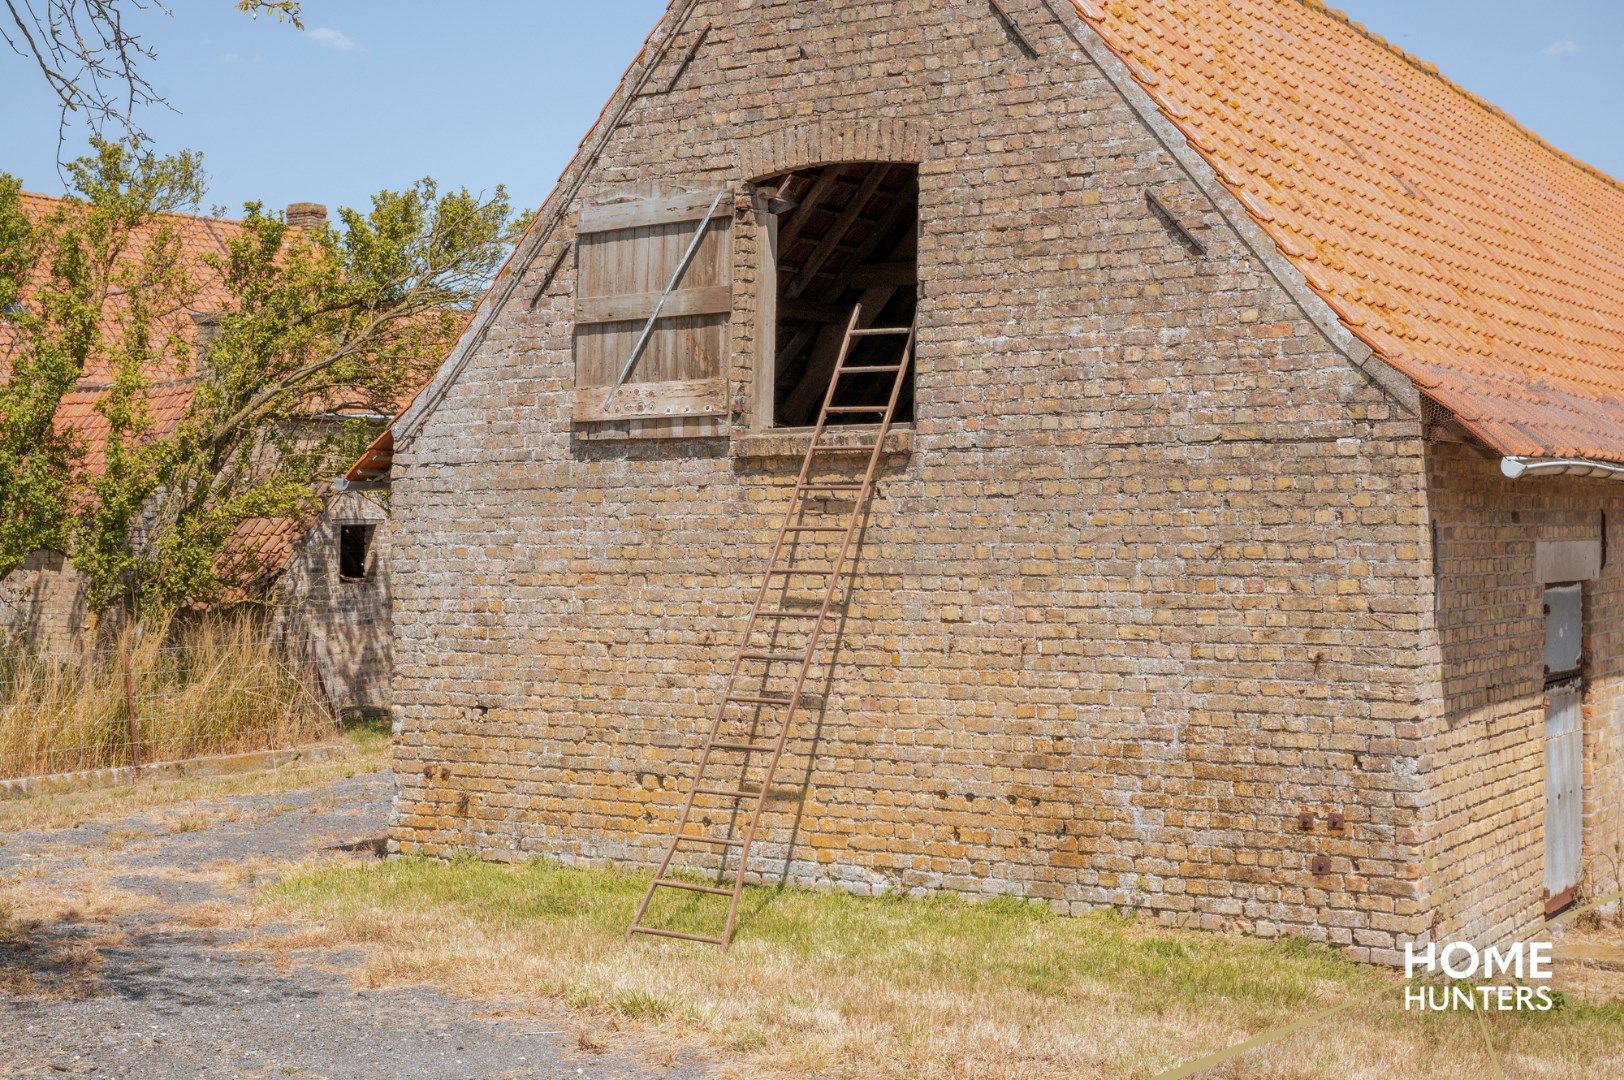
[[1516, 467], [376, 418]]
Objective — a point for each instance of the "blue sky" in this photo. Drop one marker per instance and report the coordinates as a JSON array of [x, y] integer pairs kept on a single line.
[[480, 92]]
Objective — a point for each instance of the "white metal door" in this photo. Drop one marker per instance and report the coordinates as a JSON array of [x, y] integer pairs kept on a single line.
[[1564, 736]]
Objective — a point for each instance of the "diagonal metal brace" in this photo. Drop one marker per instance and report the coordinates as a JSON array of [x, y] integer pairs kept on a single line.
[[654, 316]]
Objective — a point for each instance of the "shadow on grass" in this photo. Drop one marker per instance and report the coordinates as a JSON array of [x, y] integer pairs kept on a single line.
[[47, 962], [368, 729]]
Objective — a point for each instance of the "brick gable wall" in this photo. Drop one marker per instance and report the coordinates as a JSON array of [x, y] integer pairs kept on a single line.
[[1146, 584]]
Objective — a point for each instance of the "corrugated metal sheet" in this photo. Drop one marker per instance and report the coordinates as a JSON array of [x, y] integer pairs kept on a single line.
[[1564, 799]]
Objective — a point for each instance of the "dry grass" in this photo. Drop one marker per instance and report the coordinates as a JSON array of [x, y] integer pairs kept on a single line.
[[823, 984], [213, 685], [50, 947], [368, 751]]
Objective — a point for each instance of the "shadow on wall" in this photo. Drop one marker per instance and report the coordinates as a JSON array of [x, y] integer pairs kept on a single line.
[[334, 595], [43, 603]]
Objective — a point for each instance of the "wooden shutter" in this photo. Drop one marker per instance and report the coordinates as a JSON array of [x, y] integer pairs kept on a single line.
[[626, 254]]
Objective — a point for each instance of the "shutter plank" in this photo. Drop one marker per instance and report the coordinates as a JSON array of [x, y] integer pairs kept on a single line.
[[626, 255], [636, 307], [639, 213], [682, 397]]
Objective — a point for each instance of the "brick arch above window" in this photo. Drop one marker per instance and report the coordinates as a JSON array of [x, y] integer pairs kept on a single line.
[[825, 142]]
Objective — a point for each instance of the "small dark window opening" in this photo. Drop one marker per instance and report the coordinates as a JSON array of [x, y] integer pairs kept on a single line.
[[354, 544], [848, 233]]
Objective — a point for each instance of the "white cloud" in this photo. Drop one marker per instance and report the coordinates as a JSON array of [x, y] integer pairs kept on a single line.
[[334, 39], [1557, 48]]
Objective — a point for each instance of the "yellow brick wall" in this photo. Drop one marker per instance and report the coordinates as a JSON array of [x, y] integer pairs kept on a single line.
[[1147, 586], [43, 603], [1484, 764], [344, 623]]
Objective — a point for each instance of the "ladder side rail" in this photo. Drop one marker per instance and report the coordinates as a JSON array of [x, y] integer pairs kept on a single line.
[[875, 456], [738, 660]]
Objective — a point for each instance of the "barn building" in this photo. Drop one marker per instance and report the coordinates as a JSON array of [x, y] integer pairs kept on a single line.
[[1239, 553]]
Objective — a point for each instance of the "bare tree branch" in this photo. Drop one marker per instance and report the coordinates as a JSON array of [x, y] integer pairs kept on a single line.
[[88, 57], [92, 60]]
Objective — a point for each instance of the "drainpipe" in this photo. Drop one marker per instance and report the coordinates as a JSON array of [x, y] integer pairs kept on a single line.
[[1516, 467]]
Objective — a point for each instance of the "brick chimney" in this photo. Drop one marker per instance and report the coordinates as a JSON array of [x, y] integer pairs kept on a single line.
[[208, 328], [307, 215]]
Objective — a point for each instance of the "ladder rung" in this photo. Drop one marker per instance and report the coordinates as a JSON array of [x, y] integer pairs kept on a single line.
[[772, 656], [673, 883], [846, 409], [674, 934], [766, 699], [842, 449], [815, 528], [716, 841], [787, 614], [876, 331], [790, 571], [728, 793], [745, 747], [867, 368], [831, 487]]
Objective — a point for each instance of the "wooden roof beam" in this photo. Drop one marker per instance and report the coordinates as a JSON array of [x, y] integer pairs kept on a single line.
[[803, 215], [842, 225], [898, 273]]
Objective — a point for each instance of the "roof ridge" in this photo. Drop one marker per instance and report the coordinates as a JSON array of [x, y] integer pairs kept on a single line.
[[161, 213], [1427, 67], [155, 384]]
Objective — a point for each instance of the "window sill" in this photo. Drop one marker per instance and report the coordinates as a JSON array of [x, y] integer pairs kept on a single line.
[[794, 442]]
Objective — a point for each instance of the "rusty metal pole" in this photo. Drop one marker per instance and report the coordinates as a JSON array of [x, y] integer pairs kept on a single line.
[[129, 707]]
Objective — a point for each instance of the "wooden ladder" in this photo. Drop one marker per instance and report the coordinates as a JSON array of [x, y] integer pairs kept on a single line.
[[736, 755]]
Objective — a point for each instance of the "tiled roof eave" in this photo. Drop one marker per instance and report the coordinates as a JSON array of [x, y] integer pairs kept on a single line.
[[1492, 285]]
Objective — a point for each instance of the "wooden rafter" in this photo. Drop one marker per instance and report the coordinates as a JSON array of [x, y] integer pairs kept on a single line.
[[907, 200], [826, 353], [809, 204], [837, 233], [897, 273]]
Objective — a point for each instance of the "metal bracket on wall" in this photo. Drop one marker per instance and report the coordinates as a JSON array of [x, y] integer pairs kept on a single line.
[[552, 272], [687, 58], [1173, 225], [1013, 29]]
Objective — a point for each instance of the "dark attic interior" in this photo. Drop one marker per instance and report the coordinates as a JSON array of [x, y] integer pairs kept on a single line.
[[848, 233]]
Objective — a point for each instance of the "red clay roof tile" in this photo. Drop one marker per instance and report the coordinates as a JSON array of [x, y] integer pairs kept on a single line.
[[1468, 253], [199, 238]]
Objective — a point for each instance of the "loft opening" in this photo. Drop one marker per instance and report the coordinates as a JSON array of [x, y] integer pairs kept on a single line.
[[846, 233]]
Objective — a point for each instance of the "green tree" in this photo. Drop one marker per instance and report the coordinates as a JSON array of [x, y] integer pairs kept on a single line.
[[349, 315], [88, 278]]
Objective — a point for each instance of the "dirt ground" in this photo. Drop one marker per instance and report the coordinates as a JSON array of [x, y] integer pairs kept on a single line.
[[126, 955], [136, 941]]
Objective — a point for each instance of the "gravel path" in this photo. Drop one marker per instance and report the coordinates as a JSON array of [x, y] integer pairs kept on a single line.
[[145, 988]]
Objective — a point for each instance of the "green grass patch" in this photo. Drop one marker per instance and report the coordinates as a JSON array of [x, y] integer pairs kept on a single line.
[[825, 983]]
